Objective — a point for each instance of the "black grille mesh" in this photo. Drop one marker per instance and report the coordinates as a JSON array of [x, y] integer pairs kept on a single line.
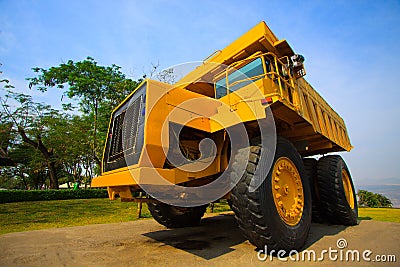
[[126, 133]]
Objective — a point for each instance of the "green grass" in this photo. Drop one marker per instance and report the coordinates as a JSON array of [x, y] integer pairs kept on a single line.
[[379, 214], [220, 207], [35, 215]]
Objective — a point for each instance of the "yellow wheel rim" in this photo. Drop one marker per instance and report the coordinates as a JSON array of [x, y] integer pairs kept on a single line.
[[348, 189], [287, 191]]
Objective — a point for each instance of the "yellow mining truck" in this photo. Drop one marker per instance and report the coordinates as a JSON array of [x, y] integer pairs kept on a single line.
[[243, 125]]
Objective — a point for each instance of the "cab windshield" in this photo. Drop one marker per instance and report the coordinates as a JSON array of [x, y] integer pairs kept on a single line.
[[239, 78]]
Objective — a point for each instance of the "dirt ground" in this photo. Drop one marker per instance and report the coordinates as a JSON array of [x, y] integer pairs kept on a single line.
[[217, 242]]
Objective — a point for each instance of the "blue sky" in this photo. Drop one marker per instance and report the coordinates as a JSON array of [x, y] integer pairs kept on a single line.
[[351, 51]]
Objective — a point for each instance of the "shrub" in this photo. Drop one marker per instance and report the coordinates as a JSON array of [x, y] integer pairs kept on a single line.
[[8, 196]]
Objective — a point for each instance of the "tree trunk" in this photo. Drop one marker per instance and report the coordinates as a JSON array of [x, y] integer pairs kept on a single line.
[[47, 154], [53, 174]]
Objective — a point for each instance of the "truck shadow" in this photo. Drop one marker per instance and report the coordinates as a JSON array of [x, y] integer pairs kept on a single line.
[[214, 237], [218, 235]]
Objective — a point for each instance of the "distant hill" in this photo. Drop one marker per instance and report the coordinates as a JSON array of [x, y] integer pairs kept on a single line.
[[384, 181]]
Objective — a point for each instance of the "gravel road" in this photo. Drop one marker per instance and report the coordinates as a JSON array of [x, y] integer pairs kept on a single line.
[[217, 242]]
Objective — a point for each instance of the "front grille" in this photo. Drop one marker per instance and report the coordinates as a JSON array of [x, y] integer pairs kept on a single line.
[[116, 150], [126, 133], [132, 127]]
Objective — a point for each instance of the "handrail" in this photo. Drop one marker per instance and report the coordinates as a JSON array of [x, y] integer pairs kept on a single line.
[[288, 82], [212, 54]]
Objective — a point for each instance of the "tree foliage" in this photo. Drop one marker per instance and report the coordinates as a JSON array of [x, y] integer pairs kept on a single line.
[[96, 88], [40, 127], [373, 200], [43, 147]]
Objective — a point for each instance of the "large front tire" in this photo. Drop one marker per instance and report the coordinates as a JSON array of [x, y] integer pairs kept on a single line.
[[278, 213], [176, 217]]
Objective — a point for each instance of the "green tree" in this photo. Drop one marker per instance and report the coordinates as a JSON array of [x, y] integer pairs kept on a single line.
[[5, 131], [33, 122], [29, 171], [372, 200], [96, 88], [5, 141], [72, 140]]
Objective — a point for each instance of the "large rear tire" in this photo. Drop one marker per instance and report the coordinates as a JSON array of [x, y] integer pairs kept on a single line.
[[176, 217], [310, 166], [336, 189], [278, 213]]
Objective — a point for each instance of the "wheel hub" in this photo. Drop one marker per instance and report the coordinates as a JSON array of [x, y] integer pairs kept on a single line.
[[287, 190]]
